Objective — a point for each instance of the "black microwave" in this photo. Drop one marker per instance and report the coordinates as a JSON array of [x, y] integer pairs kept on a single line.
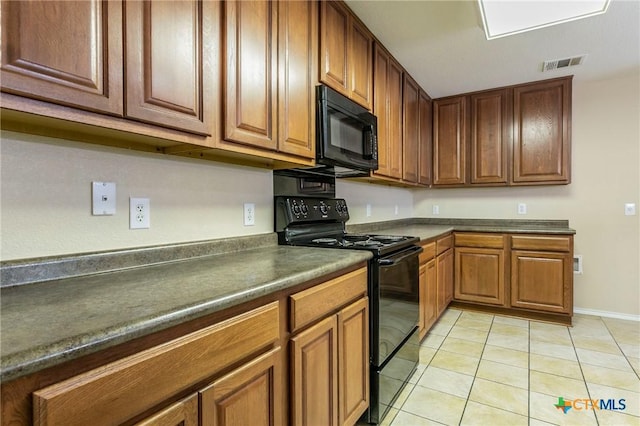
[[347, 134]]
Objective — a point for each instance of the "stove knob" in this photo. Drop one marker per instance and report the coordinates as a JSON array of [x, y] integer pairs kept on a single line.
[[323, 208], [305, 209], [296, 209]]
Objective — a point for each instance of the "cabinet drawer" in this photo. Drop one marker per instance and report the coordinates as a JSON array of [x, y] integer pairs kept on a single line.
[[118, 391], [444, 244], [316, 302], [541, 242], [428, 253], [480, 240]]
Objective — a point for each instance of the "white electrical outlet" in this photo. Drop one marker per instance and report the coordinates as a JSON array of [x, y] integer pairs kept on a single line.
[[396, 210], [522, 208], [435, 209], [630, 209], [249, 214], [139, 213], [368, 210], [103, 198]]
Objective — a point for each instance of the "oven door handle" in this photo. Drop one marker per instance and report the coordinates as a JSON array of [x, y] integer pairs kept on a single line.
[[413, 251]]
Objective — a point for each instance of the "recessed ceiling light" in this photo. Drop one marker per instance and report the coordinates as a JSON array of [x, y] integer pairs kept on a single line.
[[502, 18]]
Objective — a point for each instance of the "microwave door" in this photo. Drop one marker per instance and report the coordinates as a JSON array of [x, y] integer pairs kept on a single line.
[[346, 141]]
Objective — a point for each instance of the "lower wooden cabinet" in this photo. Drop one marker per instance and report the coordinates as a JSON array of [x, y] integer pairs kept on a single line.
[[232, 372], [428, 297], [124, 389], [182, 413], [330, 359], [518, 272], [480, 268], [444, 274], [251, 394], [542, 273]]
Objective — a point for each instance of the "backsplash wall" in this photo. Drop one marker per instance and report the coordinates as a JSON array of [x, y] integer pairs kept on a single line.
[[46, 197]]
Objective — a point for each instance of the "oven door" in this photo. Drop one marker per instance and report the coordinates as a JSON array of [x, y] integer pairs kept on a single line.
[[395, 312]]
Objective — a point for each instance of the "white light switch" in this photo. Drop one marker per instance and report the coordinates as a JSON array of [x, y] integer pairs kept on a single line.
[[630, 209], [522, 208], [435, 209], [103, 198]]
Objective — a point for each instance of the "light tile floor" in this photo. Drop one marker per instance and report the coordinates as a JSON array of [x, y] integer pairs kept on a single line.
[[482, 369]]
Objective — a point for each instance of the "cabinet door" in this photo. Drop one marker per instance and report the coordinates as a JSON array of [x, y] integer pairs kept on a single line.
[[334, 46], [249, 395], [490, 137], [428, 297], [444, 276], [411, 126], [387, 106], [353, 361], [449, 141], [394, 142], [479, 275], [182, 413], [314, 375], [170, 49], [425, 139], [542, 281], [542, 132], [67, 52], [249, 66], [297, 73], [360, 63]]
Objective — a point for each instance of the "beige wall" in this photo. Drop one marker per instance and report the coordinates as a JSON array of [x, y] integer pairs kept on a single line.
[[606, 160], [46, 197], [46, 192]]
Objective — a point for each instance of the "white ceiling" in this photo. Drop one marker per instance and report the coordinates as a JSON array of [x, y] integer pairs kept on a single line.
[[443, 46]]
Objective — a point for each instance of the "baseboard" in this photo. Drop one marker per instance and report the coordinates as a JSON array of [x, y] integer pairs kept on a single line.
[[606, 314]]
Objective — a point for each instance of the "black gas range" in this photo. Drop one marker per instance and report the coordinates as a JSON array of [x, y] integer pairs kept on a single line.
[[320, 222], [393, 288]]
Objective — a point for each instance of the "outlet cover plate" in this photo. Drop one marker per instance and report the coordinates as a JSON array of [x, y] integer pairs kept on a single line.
[[139, 213], [103, 196], [249, 214]]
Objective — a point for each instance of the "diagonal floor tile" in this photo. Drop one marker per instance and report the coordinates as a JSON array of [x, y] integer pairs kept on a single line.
[[511, 321], [447, 381], [553, 385], [455, 362], [472, 334], [433, 405], [481, 415], [500, 396], [610, 377], [407, 419], [557, 366], [601, 359], [553, 350], [506, 356], [543, 407], [460, 346], [519, 343], [505, 374]]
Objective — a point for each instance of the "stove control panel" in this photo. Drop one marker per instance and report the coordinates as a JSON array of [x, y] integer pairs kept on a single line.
[[290, 210]]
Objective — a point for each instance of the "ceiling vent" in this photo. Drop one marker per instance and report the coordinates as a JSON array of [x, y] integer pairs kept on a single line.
[[562, 63]]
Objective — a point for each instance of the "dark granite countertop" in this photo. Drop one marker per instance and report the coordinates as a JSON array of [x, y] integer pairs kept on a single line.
[[57, 309], [47, 323], [429, 228]]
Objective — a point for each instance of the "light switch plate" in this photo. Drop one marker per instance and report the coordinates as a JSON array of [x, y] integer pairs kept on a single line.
[[522, 208], [103, 196]]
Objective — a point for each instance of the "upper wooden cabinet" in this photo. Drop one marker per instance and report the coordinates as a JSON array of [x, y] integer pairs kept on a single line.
[[449, 141], [346, 47], [411, 127], [170, 47], [387, 106], [542, 132], [490, 136], [269, 97], [425, 141], [517, 135], [65, 52]]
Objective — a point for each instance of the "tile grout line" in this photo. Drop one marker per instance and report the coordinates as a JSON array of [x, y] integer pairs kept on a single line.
[[626, 357], [484, 345]]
